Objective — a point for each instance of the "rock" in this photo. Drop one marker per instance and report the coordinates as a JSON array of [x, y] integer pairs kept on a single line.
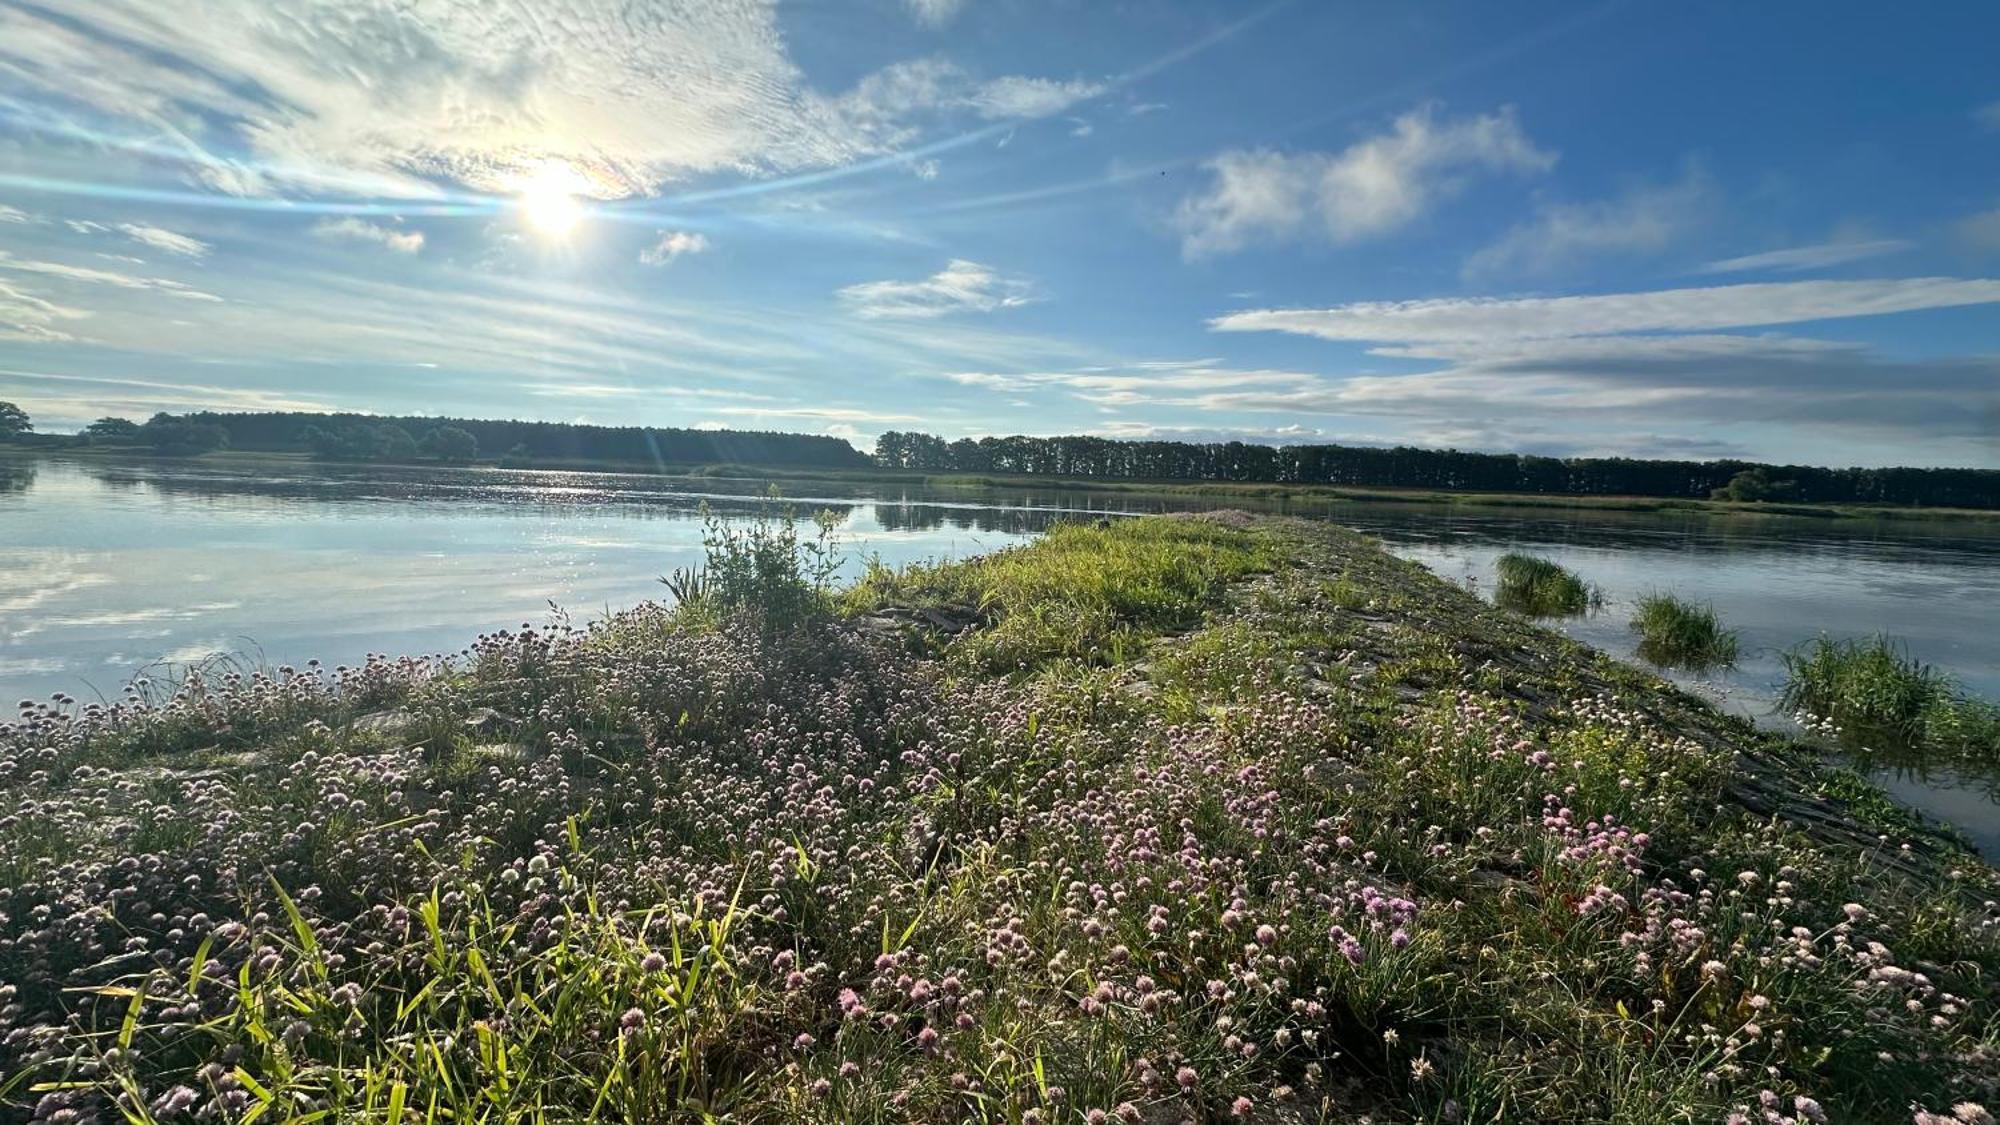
[[390, 725]]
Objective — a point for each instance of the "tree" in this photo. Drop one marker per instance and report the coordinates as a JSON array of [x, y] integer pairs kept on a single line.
[[109, 427], [394, 443], [1756, 484], [450, 444], [177, 437], [13, 421]]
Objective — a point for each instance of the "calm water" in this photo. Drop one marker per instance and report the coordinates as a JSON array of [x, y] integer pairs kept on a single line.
[[108, 569]]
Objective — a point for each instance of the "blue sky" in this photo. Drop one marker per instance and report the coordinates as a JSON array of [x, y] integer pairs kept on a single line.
[[1689, 230]]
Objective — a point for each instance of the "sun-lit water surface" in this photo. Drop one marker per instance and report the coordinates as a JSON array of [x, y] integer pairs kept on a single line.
[[107, 569]]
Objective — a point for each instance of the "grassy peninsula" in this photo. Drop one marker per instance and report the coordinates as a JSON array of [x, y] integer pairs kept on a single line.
[[1190, 819]]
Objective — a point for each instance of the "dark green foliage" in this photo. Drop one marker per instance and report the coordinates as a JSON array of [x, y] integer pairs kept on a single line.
[[173, 436], [14, 420], [1540, 588], [1756, 484], [109, 427], [450, 444], [288, 431], [762, 571], [1682, 634], [1876, 690], [1086, 457]]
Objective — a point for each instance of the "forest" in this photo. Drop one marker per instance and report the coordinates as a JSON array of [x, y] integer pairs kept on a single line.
[[1443, 469]]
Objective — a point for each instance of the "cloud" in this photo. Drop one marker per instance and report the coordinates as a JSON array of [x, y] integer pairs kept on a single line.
[[672, 244], [1666, 310], [1818, 256], [14, 215], [1644, 219], [88, 276], [886, 107], [360, 230], [1988, 115], [166, 240], [28, 318], [1368, 189], [386, 99], [1019, 97], [1134, 384], [823, 413], [961, 286], [934, 13]]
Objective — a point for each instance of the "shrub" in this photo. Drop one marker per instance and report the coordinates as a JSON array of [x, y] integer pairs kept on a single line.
[[1875, 688], [761, 569], [1536, 586], [1674, 632]]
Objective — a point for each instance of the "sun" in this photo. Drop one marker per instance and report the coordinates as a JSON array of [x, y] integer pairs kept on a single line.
[[550, 199]]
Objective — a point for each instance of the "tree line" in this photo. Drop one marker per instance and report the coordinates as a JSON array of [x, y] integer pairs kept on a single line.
[[1441, 469]]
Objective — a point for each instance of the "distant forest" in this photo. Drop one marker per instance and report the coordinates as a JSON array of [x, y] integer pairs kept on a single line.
[[367, 437], [1443, 469]]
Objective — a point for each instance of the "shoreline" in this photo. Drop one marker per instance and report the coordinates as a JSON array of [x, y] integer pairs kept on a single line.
[[1223, 491]]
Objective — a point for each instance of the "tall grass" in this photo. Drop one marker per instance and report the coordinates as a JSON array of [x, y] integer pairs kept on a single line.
[[1681, 634], [1875, 689], [1536, 586], [1081, 591]]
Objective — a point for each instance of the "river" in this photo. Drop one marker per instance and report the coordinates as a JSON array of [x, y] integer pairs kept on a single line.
[[111, 569]]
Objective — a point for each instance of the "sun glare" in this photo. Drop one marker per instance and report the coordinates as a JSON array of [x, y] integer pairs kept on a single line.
[[550, 200]]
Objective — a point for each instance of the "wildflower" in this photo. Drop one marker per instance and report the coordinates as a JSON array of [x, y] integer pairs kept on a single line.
[[1240, 1107], [652, 963], [1185, 1077], [631, 1021], [1421, 1069]]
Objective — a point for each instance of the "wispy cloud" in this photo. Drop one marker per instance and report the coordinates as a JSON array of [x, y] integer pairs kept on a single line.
[[28, 318], [960, 287], [1795, 259], [113, 278], [1988, 115], [1981, 230], [166, 240], [1644, 219], [1665, 310], [1371, 188], [14, 215], [351, 229], [672, 244], [934, 13], [1134, 384]]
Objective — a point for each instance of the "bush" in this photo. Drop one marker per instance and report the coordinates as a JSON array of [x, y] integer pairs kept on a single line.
[[1678, 633], [762, 570], [1875, 689], [1541, 588]]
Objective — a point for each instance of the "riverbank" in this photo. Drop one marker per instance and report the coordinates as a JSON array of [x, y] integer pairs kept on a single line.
[[1179, 817], [791, 479]]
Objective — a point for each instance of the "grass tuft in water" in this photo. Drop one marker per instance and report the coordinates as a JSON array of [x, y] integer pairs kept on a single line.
[[1681, 634], [1873, 688], [1541, 588]]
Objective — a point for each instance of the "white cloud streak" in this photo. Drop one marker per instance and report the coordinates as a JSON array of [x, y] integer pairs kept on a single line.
[[165, 240], [960, 287], [351, 229], [1667, 310], [1818, 256]]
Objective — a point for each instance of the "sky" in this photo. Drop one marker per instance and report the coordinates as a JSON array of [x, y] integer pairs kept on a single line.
[[1695, 230]]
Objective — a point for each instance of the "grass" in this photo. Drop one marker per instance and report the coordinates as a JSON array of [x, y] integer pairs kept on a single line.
[[1082, 591], [1681, 634], [1540, 588], [1201, 820], [1875, 690]]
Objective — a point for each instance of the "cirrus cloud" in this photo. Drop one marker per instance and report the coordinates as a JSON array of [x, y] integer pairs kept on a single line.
[[962, 286]]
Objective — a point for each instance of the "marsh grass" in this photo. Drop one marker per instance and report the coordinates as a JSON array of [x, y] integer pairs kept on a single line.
[[1541, 588], [1874, 689], [1681, 634], [1082, 591]]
